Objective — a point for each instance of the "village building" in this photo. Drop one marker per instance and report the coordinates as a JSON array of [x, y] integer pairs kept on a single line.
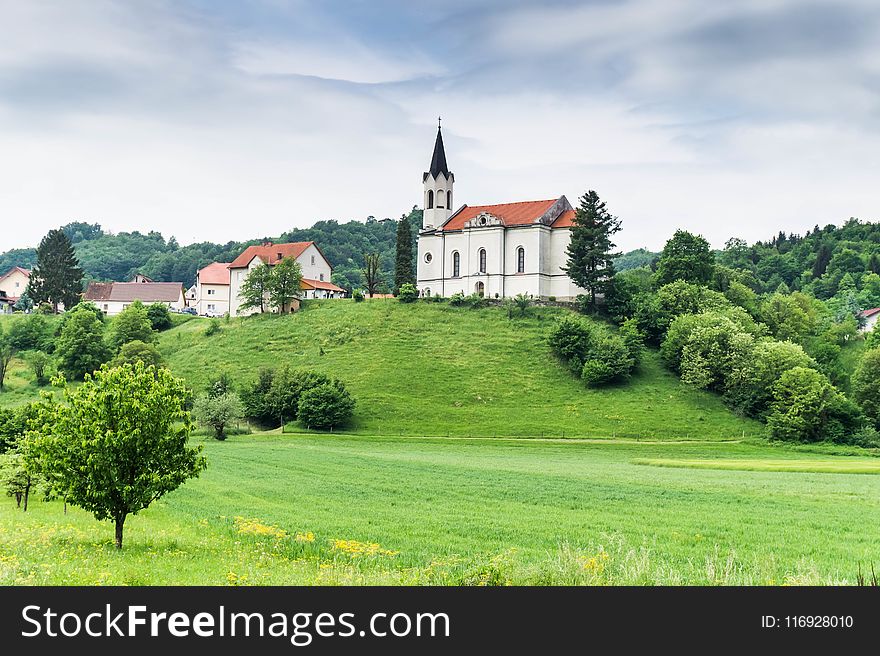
[[316, 271], [113, 297], [869, 319], [491, 250], [13, 284], [212, 290]]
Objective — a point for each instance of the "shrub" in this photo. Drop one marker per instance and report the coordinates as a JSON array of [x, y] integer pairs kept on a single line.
[[138, 351], [634, 340], [806, 407], [129, 325], [457, 299], [218, 411], [325, 406], [80, 347], [522, 303], [219, 385], [476, 301], [256, 397], [608, 360], [45, 308], [407, 293], [32, 333], [39, 363], [357, 295], [552, 299], [159, 316], [212, 328], [288, 385], [570, 340], [866, 385]]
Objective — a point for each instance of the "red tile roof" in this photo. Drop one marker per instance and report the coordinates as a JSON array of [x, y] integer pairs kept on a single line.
[[510, 213], [308, 283], [564, 220], [26, 272], [126, 292], [216, 273], [269, 253], [869, 313]]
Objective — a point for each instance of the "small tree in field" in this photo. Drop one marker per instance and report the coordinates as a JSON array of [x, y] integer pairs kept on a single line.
[[138, 351], [285, 283], [159, 316], [218, 411], [372, 273], [255, 288], [119, 442], [132, 324], [7, 352]]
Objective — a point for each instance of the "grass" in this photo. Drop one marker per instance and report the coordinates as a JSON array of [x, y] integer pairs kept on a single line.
[[436, 370], [839, 466], [341, 509]]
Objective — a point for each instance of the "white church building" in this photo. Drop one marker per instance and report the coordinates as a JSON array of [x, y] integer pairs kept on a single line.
[[491, 250]]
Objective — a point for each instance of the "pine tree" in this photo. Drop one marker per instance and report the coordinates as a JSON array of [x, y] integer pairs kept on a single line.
[[823, 257], [403, 266], [57, 278], [590, 249]]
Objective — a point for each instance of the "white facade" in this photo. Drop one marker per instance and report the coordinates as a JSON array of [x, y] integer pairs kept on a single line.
[[494, 250], [212, 300]]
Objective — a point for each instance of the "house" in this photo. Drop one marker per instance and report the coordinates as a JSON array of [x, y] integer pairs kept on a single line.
[[14, 283], [114, 297], [212, 290], [870, 318], [191, 296], [492, 250], [316, 271], [6, 303]]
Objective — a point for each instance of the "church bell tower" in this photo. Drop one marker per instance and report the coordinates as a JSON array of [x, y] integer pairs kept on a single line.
[[438, 183]]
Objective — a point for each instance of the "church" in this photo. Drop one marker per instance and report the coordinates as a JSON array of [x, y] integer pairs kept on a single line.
[[495, 251]]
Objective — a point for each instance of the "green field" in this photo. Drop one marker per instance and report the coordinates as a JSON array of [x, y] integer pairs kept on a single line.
[[650, 482], [466, 511]]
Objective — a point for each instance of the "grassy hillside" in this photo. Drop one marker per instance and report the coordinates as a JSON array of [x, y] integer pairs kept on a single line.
[[433, 369], [341, 509]]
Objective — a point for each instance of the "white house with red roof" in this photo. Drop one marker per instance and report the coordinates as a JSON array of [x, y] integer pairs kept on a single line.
[[113, 297], [316, 271], [13, 283], [212, 290], [869, 317], [493, 250]]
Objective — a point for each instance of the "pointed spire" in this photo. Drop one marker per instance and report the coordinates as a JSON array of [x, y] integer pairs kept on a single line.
[[438, 161]]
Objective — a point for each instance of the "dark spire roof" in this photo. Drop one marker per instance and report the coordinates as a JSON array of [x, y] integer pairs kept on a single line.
[[438, 161]]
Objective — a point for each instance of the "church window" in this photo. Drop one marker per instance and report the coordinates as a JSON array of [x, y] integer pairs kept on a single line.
[[482, 260], [428, 258], [449, 199], [440, 198], [430, 199], [456, 264], [520, 260]]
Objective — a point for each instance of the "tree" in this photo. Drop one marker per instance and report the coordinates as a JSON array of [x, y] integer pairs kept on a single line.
[[17, 478], [31, 333], [806, 407], [80, 347], [685, 257], [7, 352], [39, 363], [138, 351], [403, 262], [255, 288], [327, 405], [372, 272], [522, 303], [132, 324], [866, 385], [590, 247], [255, 397], [57, 278], [218, 412], [823, 258], [285, 284], [288, 385], [570, 340], [608, 360], [159, 316], [24, 303], [119, 442]]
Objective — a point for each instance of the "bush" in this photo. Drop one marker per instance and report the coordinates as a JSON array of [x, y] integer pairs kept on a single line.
[[32, 333], [256, 397], [39, 363], [130, 325], [866, 385], [570, 340], [552, 299], [138, 351], [288, 385], [407, 293], [522, 303], [212, 328], [159, 316], [457, 299], [81, 348], [476, 301], [218, 411], [806, 407], [608, 361], [328, 405], [357, 295], [634, 340]]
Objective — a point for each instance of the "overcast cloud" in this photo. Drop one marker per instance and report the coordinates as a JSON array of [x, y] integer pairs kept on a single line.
[[232, 120]]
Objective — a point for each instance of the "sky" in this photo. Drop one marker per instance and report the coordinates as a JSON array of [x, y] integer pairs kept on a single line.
[[213, 120]]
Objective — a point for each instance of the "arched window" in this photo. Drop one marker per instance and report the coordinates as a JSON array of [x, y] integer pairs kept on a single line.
[[449, 199], [480, 289], [430, 199], [520, 260], [440, 198], [456, 265], [482, 260]]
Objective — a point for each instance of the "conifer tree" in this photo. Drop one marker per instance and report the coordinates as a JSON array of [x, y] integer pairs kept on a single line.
[[403, 266], [590, 249], [57, 277]]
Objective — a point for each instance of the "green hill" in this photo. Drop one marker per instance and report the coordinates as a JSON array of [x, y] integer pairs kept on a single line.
[[433, 369]]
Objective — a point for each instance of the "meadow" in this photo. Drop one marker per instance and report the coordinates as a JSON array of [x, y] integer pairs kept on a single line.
[[296, 509], [475, 458]]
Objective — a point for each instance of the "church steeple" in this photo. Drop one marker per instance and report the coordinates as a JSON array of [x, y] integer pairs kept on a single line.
[[437, 183]]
